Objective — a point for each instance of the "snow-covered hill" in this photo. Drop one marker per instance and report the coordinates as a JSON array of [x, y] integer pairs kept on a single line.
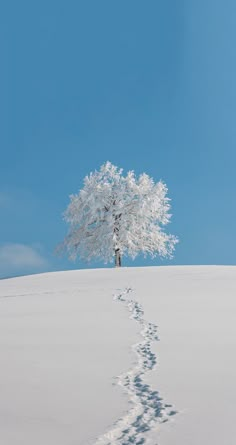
[[79, 366]]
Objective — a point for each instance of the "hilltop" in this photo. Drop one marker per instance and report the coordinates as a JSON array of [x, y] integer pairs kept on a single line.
[[72, 359]]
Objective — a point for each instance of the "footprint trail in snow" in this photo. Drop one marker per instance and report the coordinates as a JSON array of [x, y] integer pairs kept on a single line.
[[148, 409]]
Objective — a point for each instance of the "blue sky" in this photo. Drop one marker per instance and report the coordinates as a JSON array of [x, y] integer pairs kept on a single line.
[[149, 86]]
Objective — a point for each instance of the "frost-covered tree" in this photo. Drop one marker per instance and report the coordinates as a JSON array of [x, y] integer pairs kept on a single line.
[[115, 215]]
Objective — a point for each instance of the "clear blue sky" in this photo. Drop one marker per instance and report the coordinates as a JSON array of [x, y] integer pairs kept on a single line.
[[150, 86]]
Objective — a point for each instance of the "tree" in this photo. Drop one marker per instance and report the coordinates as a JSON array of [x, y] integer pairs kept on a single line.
[[115, 215]]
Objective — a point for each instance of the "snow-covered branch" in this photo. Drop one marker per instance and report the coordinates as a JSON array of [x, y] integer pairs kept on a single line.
[[116, 215]]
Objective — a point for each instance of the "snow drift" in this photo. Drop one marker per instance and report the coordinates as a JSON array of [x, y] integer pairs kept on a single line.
[[71, 358]]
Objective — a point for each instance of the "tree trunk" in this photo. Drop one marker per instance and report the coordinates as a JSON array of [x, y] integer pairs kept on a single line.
[[117, 258]]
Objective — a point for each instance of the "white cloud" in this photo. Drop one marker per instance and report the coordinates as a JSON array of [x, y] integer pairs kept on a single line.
[[19, 259]]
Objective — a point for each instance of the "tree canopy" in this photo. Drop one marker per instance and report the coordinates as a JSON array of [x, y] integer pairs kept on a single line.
[[115, 215]]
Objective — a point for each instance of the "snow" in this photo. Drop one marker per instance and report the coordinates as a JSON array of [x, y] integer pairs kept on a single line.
[[66, 346]]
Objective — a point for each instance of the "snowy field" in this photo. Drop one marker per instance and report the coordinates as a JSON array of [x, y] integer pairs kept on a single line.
[[80, 367]]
